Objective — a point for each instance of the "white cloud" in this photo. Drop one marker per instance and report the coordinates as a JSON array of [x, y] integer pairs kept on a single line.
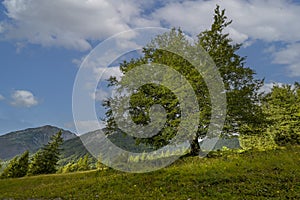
[[100, 95], [23, 98], [66, 23], [77, 61], [267, 87], [72, 24], [1, 97], [254, 19], [106, 73], [103, 92], [290, 56], [88, 126]]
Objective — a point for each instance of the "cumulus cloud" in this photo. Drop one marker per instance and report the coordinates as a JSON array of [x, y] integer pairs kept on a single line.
[[73, 24], [254, 19], [23, 98], [268, 21], [290, 56], [106, 73], [1, 97], [267, 87]]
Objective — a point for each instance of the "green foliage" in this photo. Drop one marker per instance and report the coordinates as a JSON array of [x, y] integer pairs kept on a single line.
[[249, 175], [32, 139], [45, 160], [262, 142], [99, 164], [224, 152], [17, 167], [81, 165], [282, 107], [244, 114]]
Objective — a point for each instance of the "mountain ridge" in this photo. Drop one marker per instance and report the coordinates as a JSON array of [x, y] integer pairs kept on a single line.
[[31, 139]]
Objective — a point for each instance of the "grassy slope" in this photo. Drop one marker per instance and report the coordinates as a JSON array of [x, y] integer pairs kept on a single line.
[[251, 175]]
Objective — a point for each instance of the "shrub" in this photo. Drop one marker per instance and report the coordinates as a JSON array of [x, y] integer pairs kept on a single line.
[[81, 165], [261, 142]]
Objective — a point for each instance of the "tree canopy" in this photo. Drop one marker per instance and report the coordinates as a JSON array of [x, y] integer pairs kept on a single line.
[[282, 107], [244, 115]]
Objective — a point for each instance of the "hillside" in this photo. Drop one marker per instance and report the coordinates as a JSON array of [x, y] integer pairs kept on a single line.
[[31, 139], [250, 175], [15, 143], [72, 150]]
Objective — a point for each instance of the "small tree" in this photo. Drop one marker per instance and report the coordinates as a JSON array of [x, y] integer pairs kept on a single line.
[[45, 160], [81, 165], [17, 167], [282, 107], [99, 164]]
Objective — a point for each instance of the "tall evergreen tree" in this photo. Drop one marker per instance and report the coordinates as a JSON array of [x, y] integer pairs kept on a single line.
[[17, 167], [45, 160]]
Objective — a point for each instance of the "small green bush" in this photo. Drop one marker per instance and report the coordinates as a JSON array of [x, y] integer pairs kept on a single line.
[[261, 142], [81, 165]]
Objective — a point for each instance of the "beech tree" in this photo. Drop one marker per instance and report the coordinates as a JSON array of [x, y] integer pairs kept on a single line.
[[282, 107], [244, 114]]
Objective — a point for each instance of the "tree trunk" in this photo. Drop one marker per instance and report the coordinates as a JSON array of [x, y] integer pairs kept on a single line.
[[195, 147]]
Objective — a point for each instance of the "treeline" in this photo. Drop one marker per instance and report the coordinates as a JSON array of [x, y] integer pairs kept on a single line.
[[43, 162], [281, 125], [281, 110]]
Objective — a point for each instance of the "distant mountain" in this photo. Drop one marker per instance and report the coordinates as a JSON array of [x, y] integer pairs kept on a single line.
[[15, 143], [31, 139], [72, 150]]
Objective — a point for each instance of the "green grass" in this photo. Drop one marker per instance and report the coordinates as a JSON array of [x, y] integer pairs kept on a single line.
[[251, 175]]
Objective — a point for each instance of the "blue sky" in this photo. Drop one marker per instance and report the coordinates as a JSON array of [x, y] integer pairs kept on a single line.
[[43, 42]]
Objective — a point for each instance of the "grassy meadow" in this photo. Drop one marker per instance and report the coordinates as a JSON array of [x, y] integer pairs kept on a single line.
[[273, 174]]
